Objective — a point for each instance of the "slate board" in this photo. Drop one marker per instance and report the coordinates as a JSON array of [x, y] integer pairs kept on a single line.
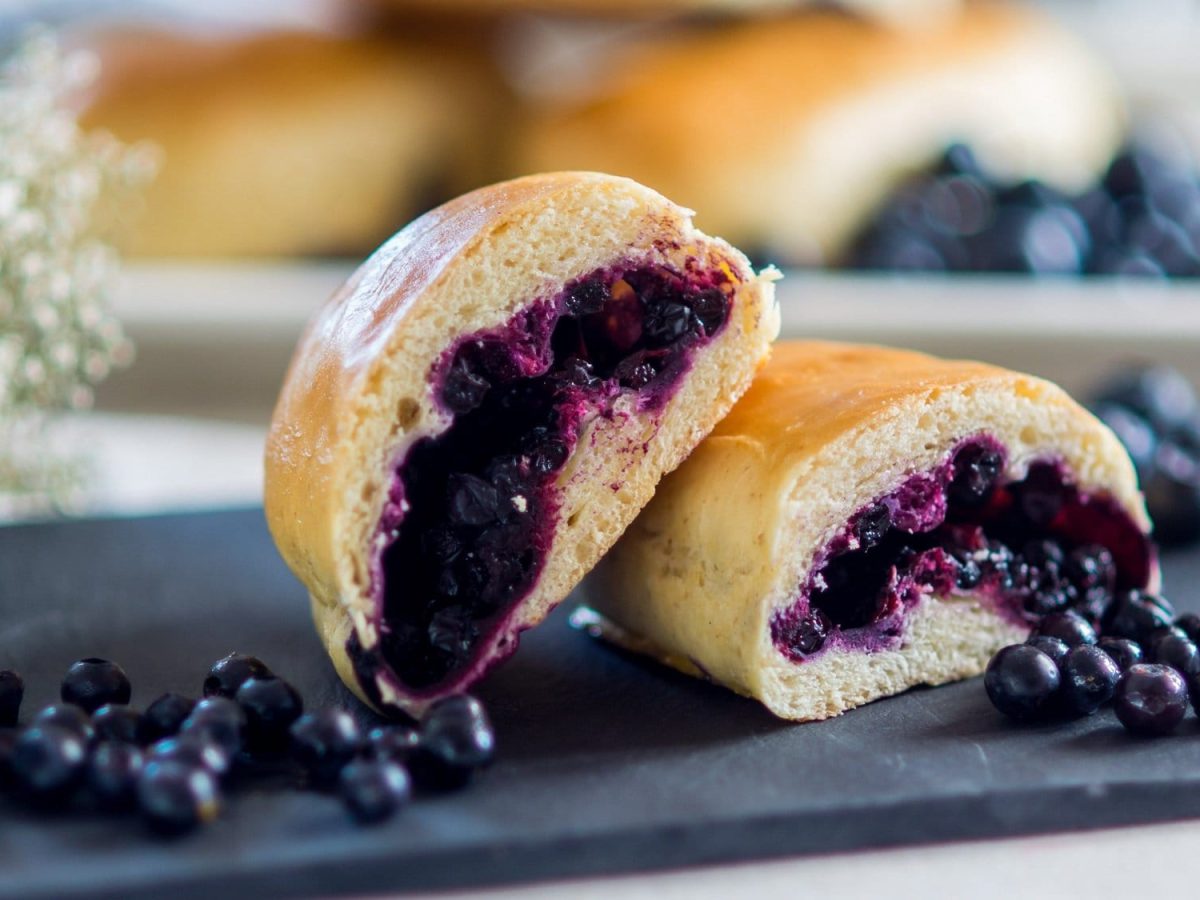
[[607, 764]]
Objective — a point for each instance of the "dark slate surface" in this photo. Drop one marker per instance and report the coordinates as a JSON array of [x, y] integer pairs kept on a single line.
[[607, 763]]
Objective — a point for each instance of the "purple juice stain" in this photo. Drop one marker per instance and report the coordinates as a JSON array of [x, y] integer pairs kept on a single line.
[[473, 510], [959, 528]]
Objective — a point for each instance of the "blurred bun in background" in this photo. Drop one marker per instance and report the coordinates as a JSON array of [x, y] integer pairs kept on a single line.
[[785, 133], [295, 143]]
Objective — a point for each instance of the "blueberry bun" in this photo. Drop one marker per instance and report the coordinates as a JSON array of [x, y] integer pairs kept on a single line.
[[476, 416], [867, 520], [852, 107]]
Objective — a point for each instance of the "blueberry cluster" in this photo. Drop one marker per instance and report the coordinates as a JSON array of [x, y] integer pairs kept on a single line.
[[1141, 219], [1155, 412], [173, 761], [1144, 659]]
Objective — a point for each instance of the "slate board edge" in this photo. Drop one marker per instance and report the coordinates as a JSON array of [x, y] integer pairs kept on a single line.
[[655, 849]]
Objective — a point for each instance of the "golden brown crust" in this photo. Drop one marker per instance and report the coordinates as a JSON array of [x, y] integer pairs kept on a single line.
[[826, 430]]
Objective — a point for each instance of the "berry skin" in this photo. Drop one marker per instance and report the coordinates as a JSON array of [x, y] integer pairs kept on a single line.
[[1069, 627], [221, 721], [1189, 624], [1089, 678], [66, 716], [324, 742], [1150, 699], [48, 762], [192, 750], [174, 798], [230, 672], [117, 723], [1176, 650], [93, 682], [164, 717], [456, 739], [1124, 652], [374, 790], [1022, 681], [271, 706], [394, 742], [113, 769], [1134, 615], [12, 691], [1053, 647]]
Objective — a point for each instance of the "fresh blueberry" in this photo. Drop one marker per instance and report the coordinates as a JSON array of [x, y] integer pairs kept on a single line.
[[271, 706], [456, 740], [464, 389], [1022, 682], [220, 720], [323, 742], [472, 501], [66, 716], [373, 790], [586, 298], [1150, 699], [1177, 651], [1173, 495], [871, 525], [12, 691], [394, 742], [1069, 627], [164, 717], [48, 762], [1089, 678], [113, 768], [1189, 624], [711, 308], [1090, 566], [1133, 615], [93, 682], [1159, 394], [192, 750], [977, 468], [1124, 652], [117, 723], [1053, 647], [229, 673], [175, 798]]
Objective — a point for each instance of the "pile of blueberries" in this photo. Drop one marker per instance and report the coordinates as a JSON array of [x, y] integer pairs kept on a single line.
[[1141, 219], [172, 761], [1155, 412], [1144, 659]]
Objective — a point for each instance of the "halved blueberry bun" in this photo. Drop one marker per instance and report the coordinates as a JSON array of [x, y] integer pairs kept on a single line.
[[476, 416], [867, 520]]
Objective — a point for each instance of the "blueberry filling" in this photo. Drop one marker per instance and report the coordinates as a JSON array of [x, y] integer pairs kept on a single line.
[[473, 509], [1033, 548]]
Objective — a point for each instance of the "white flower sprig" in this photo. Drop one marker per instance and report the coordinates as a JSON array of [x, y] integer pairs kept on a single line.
[[58, 336]]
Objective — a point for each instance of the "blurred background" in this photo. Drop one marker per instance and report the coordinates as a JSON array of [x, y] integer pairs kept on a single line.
[[1014, 181]]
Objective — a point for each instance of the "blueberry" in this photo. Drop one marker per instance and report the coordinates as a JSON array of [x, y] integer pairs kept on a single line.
[[192, 750], [175, 798], [871, 525], [1173, 495], [271, 706], [164, 717], [374, 789], [1150, 699], [577, 372], [666, 323], [802, 635], [229, 673], [8, 740], [117, 723], [969, 573], [12, 691], [1124, 652], [456, 740], [323, 742], [394, 742], [959, 159], [976, 470], [1177, 651], [711, 308], [219, 719], [93, 682], [463, 390], [1089, 678], [1090, 566], [1069, 627], [1133, 615], [1022, 681], [1053, 647], [113, 768], [1165, 242], [1189, 624], [1125, 263], [1133, 430], [471, 500], [48, 762], [1037, 240], [1159, 394], [586, 298], [635, 371], [896, 250], [66, 716]]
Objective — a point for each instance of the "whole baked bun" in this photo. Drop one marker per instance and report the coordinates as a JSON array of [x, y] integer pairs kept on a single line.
[[867, 520], [476, 416], [788, 132], [293, 143]]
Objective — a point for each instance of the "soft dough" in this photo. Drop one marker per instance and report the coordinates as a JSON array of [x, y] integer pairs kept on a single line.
[[472, 421], [837, 449]]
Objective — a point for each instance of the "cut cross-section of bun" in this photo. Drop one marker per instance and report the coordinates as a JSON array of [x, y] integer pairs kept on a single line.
[[477, 415], [867, 520]]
